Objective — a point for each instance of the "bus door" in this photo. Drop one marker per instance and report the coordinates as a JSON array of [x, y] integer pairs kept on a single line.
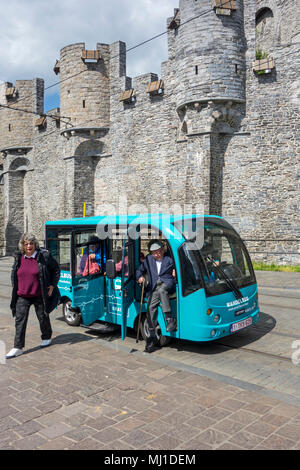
[[148, 233], [58, 243], [88, 267], [119, 291]]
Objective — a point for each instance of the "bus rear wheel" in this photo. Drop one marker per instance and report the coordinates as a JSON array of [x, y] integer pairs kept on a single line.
[[161, 340], [72, 317]]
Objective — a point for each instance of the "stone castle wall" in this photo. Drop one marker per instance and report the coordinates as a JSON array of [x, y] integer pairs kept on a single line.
[[219, 137]]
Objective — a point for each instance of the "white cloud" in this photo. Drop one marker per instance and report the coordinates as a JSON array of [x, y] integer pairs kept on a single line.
[[33, 32]]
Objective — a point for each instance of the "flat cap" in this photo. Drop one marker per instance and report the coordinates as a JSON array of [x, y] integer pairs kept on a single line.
[[155, 245]]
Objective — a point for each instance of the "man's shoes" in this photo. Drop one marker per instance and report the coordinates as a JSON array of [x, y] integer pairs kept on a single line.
[[150, 345], [45, 343], [14, 352], [171, 324]]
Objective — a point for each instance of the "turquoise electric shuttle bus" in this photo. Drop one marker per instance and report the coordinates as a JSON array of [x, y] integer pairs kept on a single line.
[[216, 290]]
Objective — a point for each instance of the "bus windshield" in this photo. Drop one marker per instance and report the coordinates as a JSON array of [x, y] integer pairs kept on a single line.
[[221, 258]]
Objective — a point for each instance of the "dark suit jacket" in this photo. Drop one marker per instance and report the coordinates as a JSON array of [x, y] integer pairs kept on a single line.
[[165, 275]]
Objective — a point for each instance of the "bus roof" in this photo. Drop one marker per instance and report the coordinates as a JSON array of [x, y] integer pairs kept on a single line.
[[127, 219]]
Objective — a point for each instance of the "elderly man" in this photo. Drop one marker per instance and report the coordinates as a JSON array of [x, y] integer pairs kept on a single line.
[[161, 273]]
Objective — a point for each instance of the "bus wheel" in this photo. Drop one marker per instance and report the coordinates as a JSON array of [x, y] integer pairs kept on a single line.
[[160, 339], [71, 316]]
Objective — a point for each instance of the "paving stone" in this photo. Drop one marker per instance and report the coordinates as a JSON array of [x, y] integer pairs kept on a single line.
[[108, 435], [165, 442], [27, 415], [129, 424], [276, 420], [133, 404], [61, 443], [28, 428], [87, 444], [232, 404], [243, 416], [31, 442], [80, 433], [201, 422], [228, 426], [216, 413], [100, 422], [245, 440], [276, 442], [7, 411], [261, 428], [49, 406], [194, 444], [174, 418], [55, 430], [291, 431], [137, 438], [213, 437], [183, 433]]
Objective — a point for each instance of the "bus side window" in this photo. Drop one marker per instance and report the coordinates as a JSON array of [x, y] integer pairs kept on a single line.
[[116, 255], [90, 254], [116, 251], [58, 243]]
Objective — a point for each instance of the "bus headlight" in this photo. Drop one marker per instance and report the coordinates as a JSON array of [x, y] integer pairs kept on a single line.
[[216, 318], [213, 332]]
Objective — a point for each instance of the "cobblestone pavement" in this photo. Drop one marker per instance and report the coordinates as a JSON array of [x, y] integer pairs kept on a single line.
[[90, 392]]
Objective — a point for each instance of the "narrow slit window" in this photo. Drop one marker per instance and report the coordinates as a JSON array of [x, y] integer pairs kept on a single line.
[[196, 69], [83, 103]]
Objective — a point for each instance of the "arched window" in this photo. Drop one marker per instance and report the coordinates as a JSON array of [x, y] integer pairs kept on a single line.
[[264, 30]]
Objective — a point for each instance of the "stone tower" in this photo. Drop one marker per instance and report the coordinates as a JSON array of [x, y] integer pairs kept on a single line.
[[209, 53], [23, 106], [85, 115], [207, 50], [84, 88]]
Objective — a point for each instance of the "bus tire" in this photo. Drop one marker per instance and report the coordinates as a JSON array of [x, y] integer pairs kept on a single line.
[[71, 316], [161, 340]]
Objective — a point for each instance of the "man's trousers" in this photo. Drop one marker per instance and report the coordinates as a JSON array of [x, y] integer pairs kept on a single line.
[[159, 295]]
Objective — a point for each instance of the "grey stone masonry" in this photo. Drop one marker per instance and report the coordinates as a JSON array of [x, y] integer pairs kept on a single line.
[[16, 127], [212, 134]]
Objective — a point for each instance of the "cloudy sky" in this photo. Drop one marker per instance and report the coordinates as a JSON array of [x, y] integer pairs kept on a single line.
[[33, 32]]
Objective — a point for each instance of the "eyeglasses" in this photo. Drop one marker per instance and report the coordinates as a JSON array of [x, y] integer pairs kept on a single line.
[[29, 243]]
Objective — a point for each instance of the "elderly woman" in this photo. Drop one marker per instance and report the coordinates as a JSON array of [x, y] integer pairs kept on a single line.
[[35, 275]]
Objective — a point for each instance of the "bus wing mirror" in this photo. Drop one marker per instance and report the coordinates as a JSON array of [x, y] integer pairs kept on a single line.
[[110, 269]]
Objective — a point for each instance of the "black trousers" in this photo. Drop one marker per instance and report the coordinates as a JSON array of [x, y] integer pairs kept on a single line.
[[22, 312]]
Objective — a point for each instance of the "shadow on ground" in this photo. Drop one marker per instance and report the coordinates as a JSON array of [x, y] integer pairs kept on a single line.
[[238, 340]]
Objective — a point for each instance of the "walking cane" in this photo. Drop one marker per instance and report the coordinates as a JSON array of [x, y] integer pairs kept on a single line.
[[140, 314]]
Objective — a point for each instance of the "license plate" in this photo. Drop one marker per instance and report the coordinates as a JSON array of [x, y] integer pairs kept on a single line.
[[241, 324]]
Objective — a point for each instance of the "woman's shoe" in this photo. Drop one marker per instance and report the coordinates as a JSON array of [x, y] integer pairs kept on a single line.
[[45, 343], [14, 352]]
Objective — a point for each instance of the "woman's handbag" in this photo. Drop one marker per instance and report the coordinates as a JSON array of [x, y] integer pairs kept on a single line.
[[91, 267]]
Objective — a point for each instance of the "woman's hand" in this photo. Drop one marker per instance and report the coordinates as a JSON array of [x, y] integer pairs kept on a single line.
[[50, 290]]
